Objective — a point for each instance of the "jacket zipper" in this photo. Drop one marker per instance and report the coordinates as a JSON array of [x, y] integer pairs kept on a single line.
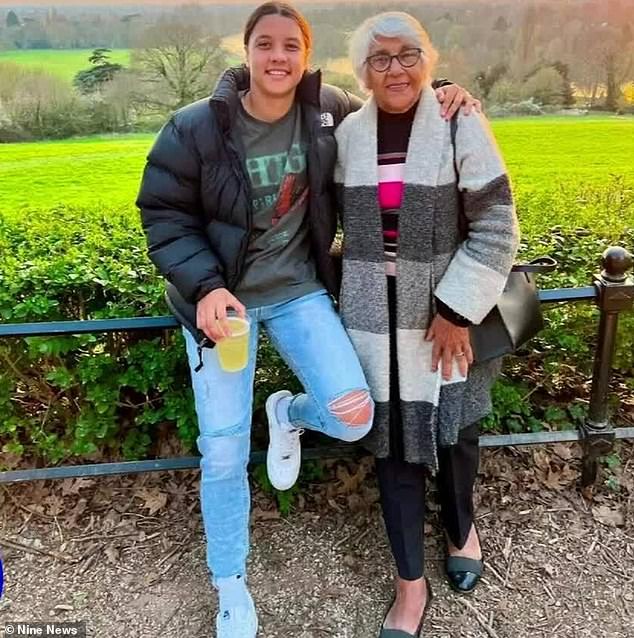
[[231, 285], [312, 156]]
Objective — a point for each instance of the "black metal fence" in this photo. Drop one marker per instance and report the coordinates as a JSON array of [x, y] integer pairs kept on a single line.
[[613, 292]]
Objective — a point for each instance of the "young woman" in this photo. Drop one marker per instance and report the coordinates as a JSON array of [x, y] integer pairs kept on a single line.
[[236, 201]]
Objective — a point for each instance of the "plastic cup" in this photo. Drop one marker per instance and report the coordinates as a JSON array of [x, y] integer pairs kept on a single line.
[[233, 351]]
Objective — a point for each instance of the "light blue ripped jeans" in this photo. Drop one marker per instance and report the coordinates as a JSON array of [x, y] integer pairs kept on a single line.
[[308, 334]]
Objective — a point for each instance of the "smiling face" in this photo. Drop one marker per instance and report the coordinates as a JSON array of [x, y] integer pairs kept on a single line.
[[277, 56], [397, 89]]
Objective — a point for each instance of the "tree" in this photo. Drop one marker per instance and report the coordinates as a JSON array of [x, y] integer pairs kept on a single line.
[[544, 89], [616, 58], [12, 19], [503, 92], [99, 56], [486, 79], [545, 86], [568, 92], [525, 44], [626, 103], [612, 87], [501, 25], [101, 72], [177, 63]]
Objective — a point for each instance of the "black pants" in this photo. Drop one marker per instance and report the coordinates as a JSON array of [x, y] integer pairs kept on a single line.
[[402, 485]]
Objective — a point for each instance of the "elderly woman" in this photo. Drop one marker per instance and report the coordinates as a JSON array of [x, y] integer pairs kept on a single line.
[[412, 284]]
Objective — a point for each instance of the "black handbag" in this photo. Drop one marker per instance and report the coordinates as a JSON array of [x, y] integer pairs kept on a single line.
[[517, 317]]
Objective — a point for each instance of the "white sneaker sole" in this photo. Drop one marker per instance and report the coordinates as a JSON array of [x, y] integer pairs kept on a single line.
[[271, 406]]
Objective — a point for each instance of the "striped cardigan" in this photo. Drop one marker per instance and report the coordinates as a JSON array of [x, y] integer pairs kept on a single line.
[[431, 260]]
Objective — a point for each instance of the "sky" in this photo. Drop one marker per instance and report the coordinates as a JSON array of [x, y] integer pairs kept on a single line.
[[13, 4], [109, 3], [79, 3]]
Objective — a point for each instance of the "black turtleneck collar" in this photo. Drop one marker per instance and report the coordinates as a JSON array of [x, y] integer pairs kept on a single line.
[[407, 116]]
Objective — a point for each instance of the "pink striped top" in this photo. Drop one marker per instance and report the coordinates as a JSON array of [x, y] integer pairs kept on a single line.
[[393, 138]]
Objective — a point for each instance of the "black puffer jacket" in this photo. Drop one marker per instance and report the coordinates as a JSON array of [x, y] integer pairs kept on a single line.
[[195, 195]]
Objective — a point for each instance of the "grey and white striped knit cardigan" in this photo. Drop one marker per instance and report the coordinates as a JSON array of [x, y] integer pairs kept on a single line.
[[468, 276]]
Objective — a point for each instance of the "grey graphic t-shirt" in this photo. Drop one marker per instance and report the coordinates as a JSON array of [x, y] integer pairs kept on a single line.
[[278, 266]]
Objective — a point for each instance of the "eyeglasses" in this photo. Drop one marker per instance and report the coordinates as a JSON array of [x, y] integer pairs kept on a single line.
[[407, 58]]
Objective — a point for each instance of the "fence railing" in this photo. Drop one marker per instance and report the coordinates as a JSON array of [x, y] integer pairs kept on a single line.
[[612, 291]]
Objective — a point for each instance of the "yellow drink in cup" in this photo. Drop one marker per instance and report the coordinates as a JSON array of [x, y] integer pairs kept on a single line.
[[233, 351]]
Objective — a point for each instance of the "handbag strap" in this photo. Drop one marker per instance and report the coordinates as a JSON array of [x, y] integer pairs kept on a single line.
[[463, 222], [540, 265]]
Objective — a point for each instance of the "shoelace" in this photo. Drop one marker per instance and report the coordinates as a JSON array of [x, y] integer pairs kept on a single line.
[[287, 444]]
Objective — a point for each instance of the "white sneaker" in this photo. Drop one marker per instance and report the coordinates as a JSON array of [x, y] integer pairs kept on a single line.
[[284, 456], [237, 622]]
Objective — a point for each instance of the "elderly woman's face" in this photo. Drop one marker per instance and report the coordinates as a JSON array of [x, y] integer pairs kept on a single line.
[[397, 87]]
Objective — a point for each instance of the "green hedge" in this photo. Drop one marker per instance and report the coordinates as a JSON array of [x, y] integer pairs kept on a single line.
[[94, 396], [102, 396]]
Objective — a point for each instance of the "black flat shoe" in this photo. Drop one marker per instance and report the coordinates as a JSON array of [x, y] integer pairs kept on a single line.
[[463, 573], [399, 633]]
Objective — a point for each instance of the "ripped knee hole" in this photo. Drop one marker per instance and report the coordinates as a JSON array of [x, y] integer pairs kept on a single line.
[[353, 408]]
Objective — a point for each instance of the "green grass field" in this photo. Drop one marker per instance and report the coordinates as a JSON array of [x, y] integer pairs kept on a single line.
[[539, 150], [93, 171], [546, 156], [62, 62]]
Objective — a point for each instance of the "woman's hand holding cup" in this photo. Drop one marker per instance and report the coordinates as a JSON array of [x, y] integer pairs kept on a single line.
[[211, 313]]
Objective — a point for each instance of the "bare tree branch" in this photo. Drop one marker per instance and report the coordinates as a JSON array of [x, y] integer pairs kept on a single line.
[[177, 63]]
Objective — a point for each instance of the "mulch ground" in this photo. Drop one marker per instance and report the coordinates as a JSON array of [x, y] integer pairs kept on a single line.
[[127, 554]]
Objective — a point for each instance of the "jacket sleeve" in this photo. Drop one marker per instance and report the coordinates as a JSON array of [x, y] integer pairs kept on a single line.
[[169, 201], [478, 271]]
